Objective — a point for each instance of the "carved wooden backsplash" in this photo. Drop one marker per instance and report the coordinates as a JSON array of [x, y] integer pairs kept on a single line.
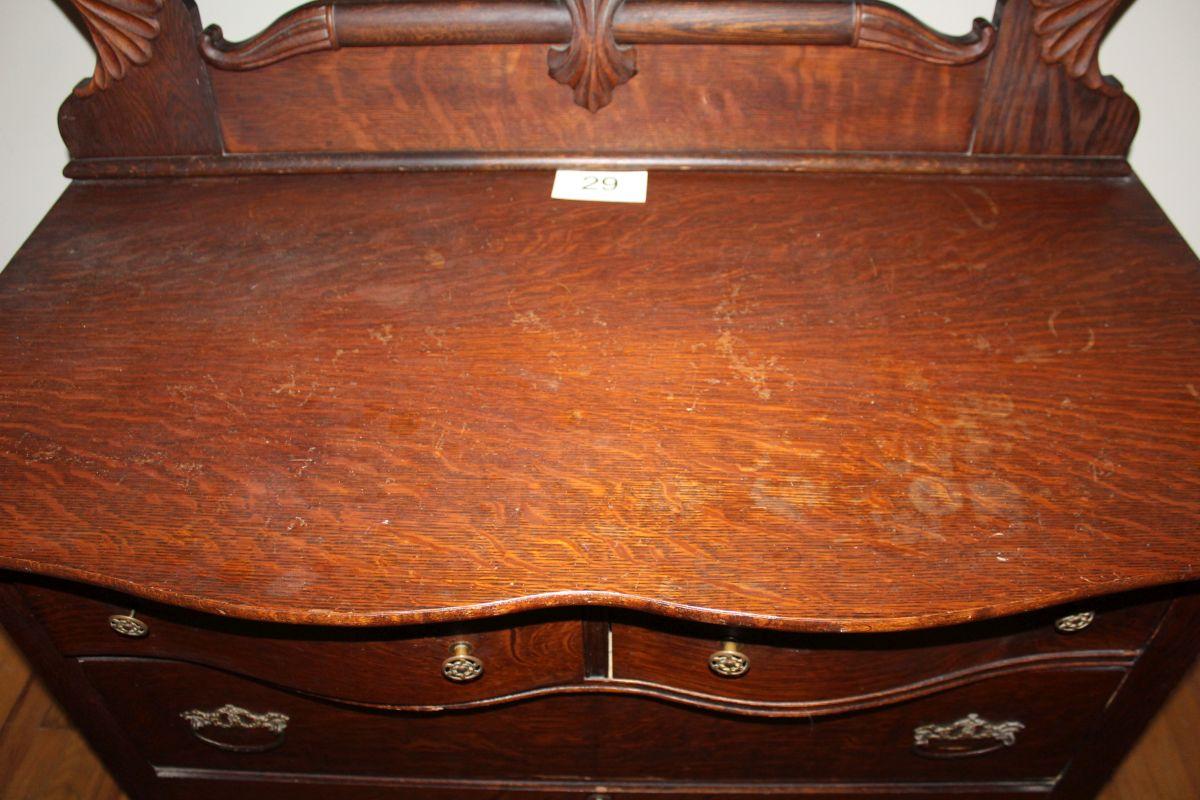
[[598, 53], [799, 84]]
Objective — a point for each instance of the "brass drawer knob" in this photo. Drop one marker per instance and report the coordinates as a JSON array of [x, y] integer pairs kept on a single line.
[[128, 625], [1073, 623], [461, 666], [729, 661]]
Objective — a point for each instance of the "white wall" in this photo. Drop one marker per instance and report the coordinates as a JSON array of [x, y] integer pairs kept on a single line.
[[1151, 49]]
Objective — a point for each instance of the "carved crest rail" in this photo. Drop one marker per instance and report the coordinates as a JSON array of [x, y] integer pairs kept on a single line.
[[592, 40]]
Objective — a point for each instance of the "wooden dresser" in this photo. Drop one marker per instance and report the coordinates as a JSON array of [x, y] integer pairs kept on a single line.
[[339, 460]]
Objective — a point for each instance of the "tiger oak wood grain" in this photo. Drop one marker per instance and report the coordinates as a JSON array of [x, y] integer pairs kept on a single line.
[[491, 98], [772, 400]]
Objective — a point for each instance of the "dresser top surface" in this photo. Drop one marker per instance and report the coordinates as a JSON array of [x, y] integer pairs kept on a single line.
[[805, 402]]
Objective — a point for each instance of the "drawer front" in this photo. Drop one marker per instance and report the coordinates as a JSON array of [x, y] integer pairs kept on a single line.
[[1011, 728], [837, 672], [1023, 727], [386, 666], [183, 715]]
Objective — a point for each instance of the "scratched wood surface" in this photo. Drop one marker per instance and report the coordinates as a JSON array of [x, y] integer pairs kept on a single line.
[[800, 402]]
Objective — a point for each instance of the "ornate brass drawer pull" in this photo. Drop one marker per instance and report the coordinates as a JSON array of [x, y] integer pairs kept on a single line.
[[128, 625], [729, 661], [970, 736], [461, 666], [1073, 623], [230, 717]]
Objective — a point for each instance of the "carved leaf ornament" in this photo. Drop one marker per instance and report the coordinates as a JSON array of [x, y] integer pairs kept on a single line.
[[593, 64], [122, 31], [1071, 31]]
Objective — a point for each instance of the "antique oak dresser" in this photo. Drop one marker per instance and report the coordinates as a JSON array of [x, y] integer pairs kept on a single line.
[[339, 460]]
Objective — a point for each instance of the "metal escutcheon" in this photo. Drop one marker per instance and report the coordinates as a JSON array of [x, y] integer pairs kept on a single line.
[[461, 666], [729, 661], [128, 625], [1072, 623]]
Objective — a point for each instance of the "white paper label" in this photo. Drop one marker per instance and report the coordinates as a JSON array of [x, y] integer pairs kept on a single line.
[[600, 187]]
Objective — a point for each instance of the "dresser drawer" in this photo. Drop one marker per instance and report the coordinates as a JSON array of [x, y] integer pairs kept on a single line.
[[1000, 729], [183, 715], [1022, 727], [838, 672], [402, 667]]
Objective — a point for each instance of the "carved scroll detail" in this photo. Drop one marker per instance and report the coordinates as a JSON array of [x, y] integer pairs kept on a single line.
[[1070, 32], [122, 31], [593, 64], [309, 29], [884, 27]]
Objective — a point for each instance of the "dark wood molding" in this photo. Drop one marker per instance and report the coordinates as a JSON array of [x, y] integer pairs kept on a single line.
[[592, 40], [331, 163], [122, 31], [1071, 32], [201, 784]]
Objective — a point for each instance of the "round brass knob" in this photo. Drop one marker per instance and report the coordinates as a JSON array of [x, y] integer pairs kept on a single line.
[[1073, 623], [461, 666], [729, 661], [128, 625]]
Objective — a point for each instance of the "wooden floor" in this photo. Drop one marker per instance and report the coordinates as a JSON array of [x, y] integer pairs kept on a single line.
[[43, 758]]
